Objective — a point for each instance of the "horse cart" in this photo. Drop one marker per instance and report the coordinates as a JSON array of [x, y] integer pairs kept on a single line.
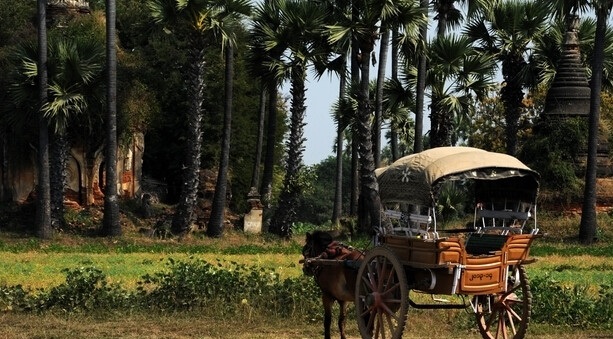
[[482, 262]]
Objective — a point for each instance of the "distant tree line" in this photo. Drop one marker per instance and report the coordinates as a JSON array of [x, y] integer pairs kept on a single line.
[[201, 80]]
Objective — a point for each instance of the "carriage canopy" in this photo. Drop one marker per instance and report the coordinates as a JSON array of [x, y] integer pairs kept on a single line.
[[416, 178]]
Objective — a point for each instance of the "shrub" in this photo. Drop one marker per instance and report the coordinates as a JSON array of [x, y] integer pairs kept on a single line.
[[198, 284], [242, 290], [85, 289], [576, 305]]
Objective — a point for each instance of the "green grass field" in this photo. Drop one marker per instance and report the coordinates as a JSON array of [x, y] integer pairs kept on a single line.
[[36, 264]]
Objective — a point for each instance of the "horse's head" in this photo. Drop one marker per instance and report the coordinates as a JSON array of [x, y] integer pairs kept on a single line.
[[315, 244]]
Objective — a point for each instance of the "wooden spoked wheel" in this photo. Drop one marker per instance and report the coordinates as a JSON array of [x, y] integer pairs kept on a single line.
[[506, 315], [382, 295]]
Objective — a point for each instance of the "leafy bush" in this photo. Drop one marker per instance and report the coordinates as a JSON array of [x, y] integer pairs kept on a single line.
[[577, 306], [85, 289], [553, 151], [14, 298], [198, 284], [242, 290]]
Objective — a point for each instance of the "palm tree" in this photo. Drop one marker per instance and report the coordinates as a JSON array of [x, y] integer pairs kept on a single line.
[[506, 31], [110, 223], [337, 11], [301, 23], [43, 193], [266, 20], [457, 72], [383, 50], [196, 22], [76, 66], [364, 30], [587, 230], [215, 226], [74, 71]]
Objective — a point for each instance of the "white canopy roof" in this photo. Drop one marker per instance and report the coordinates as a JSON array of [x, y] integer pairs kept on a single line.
[[414, 178]]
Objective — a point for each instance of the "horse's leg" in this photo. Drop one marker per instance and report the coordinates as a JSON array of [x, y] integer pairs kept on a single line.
[[327, 302], [341, 317]]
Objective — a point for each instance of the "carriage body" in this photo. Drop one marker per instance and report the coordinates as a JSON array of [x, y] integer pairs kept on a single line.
[[447, 266], [483, 260]]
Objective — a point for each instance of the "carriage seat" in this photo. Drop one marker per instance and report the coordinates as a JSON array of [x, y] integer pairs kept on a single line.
[[502, 221], [484, 243], [411, 224]]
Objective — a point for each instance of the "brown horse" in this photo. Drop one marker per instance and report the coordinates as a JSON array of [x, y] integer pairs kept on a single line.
[[336, 280]]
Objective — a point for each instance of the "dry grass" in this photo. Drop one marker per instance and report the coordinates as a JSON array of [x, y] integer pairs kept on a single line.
[[425, 324]]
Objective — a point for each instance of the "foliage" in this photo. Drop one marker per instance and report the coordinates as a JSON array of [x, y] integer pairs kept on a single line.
[[186, 285], [241, 290], [553, 152], [317, 202], [452, 202], [576, 306], [86, 289]]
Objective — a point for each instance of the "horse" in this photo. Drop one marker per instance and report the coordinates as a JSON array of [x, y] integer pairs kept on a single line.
[[337, 281]]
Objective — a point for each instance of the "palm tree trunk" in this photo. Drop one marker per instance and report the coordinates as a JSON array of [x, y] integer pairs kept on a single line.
[[355, 172], [271, 138], [110, 223], [588, 227], [394, 69], [57, 172], [337, 210], [289, 199], [512, 96], [43, 207], [218, 208], [420, 91], [183, 217], [355, 168], [369, 188], [255, 174], [385, 37]]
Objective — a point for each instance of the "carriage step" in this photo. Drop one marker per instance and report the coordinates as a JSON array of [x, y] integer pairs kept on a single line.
[[435, 306]]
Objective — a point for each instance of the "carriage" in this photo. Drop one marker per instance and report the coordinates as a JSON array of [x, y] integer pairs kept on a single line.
[[482, 262]]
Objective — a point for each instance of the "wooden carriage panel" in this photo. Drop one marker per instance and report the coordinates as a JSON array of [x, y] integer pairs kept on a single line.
[[452, 251], [426, 251], [484, 274], [518, 247]]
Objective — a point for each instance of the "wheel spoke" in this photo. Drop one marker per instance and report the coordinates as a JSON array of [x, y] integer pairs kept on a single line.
[[502, 326], [390, 324], [509, 312], [510, 315], [391, 289], [380, 272]]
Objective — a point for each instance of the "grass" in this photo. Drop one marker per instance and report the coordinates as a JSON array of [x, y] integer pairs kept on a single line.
[[420, 324], [36, 270], [39, 264]]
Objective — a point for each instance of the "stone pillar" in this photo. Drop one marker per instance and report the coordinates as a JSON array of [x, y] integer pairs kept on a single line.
[[253, 218]]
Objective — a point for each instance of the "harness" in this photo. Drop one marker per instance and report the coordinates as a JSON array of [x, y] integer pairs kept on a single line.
[[334, 251]]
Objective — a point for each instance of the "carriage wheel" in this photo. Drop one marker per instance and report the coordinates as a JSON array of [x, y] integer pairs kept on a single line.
[[506, 315], [381, 299]]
